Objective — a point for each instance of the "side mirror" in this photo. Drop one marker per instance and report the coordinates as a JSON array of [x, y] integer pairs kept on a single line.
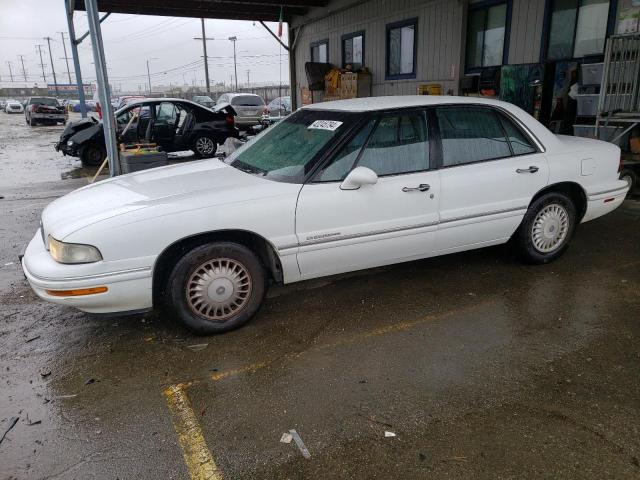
[[358, 177]]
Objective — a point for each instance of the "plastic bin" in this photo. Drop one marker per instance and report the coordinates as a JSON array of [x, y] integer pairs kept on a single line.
[[592, 73], [605, 133], [132, 161], [587, 105]]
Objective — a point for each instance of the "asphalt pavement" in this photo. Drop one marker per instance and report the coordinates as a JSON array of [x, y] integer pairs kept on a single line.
[[464, 366]]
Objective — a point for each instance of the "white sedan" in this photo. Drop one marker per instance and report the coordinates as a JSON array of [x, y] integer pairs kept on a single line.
[[334, 187]]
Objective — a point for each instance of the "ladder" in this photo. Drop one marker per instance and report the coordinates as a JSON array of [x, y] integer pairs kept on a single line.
[[619, 101]]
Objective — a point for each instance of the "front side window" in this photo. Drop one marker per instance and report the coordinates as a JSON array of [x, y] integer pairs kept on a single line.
[[486, 28], [353, 50], [470, 134], [288, 150], [320, 51], [401, 49], [578, 28]]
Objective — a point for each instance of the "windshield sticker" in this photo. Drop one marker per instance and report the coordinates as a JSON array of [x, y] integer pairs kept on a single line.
[[331, 125]]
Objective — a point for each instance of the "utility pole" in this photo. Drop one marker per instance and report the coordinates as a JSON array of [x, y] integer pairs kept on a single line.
[[204, 49], [44, 76], [10, 72], [24, 72], [53, 70], [248, 73], [234, 39], [66, 59], [149, 74]]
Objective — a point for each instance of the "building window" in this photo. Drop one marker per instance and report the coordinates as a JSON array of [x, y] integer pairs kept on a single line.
[[578, 28], [486, 32], [401, 49], [320, 51], [353, 50]]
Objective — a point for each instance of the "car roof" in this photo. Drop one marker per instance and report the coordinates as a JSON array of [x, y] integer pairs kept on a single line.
[[158, 100], [241, 93], [369, 104]]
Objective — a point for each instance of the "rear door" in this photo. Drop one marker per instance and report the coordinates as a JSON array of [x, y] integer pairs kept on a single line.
[[392, 221], [165, 124], [490, 170]]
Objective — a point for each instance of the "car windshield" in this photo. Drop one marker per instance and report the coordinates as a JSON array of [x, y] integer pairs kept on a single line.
[[247, 101], [49, 102], [287, 151]]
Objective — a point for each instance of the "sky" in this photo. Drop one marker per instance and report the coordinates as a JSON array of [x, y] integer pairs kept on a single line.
[[129, 41]]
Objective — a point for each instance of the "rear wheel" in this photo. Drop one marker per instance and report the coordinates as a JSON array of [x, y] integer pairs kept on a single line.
[[204, 146], [92, 155], [217, 287], [546, 229], [630, 177]]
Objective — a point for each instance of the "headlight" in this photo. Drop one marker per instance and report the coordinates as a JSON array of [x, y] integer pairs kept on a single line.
[[73, 252], [70, 143]]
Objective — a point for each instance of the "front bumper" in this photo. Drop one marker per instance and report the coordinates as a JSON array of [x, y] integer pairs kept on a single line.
[[129, 289], [65, 149]]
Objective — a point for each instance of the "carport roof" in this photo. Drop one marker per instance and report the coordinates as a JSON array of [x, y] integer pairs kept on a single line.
[[265, 10]]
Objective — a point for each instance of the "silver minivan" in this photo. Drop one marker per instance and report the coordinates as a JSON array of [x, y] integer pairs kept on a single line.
[[248, 106]]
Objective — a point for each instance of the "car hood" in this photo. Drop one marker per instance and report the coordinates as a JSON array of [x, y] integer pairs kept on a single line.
[[164, 191], [75, 127]]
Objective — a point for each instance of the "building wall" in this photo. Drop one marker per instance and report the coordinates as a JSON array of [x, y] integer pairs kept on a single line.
[[441, 38]]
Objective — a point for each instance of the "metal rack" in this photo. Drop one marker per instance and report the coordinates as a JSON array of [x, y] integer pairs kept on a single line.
[[619, 100]]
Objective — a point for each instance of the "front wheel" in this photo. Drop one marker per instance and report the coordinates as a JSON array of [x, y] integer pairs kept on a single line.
[[204, 146], [546, 229], [217, 287], [92, 155]]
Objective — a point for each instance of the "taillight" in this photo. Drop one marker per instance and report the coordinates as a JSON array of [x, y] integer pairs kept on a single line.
[[230, 120]]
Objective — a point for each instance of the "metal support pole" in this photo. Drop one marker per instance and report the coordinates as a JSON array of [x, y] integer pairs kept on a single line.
[[53, 69], [206, 61], [108, 120], [76, 59]]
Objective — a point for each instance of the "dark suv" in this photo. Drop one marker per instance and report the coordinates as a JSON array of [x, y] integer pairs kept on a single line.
[[173, 124]]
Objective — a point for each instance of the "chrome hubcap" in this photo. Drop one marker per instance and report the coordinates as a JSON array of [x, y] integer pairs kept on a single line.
[[218, 289], [550, 228], [204, 145]]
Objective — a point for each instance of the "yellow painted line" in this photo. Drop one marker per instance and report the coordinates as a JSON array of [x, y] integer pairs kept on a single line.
[[197, 457], [231, 373], [395, 327]]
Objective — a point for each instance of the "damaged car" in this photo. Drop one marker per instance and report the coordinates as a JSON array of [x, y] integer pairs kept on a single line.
[[45, 110], [172, 124]]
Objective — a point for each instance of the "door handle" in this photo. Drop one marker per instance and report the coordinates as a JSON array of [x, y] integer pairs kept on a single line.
[[531, 169], [423, 187]]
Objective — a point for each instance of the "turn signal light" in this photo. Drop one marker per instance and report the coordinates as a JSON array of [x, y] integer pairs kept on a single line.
[[76, 293]]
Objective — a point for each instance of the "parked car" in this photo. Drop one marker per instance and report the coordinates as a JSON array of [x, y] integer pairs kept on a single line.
[[332, 188], [204, 100], [127, 99], [248, 106], [45, 110], [174, 124], [278, 107], [13, 106]]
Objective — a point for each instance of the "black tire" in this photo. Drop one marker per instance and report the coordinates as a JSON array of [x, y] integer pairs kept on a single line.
[[196, 314], [92, 155], [204, 146], [631, 177], [545, 244]]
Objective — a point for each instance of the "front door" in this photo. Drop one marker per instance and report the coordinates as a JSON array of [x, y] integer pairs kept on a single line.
[[392, 221], [491, 170]]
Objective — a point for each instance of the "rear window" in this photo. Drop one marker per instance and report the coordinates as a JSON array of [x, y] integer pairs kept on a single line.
[[49, 102], [247, 101]]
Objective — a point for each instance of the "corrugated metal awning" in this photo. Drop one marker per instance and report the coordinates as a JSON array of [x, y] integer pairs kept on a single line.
[[265, 10]]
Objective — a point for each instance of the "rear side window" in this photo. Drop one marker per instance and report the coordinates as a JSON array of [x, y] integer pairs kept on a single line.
[[470, 134], [520, 144], [247, 101]]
